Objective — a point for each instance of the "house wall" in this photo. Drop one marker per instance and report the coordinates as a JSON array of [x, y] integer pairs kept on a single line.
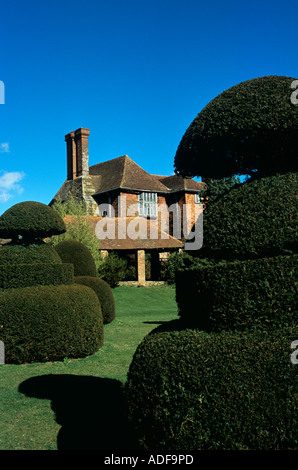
[[131, 199], [195, 210], [186, 213]]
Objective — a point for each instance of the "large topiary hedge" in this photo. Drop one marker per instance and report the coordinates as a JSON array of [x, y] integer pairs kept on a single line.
[[247, 233], [189, 390], [38, 252], [49, 323], [75, 252], [232, 386], [104, 293], [252, 220], [240, 295], [25, 275], [249, 128]]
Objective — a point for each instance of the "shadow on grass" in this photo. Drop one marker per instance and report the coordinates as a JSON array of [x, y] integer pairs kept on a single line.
[[167, 326], [91, 410]]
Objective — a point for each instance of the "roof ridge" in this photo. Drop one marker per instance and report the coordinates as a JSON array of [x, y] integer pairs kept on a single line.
[[125, 157], [107, 161]]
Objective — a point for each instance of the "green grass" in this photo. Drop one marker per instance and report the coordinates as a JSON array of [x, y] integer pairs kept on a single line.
[[78, 404]]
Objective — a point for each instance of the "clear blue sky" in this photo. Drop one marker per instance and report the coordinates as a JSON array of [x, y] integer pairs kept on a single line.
[[135, 72]]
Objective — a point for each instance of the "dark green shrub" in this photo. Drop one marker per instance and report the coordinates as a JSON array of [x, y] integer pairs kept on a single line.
[[249, 128], [49, 323], [34, 253], [244, 294], [25, 275], [31, 220], [190, 390], [104, 293], [175, 262], [255, 219], [113, 269], [72, 251]]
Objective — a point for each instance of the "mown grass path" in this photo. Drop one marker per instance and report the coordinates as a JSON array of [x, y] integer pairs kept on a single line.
[[78, 403]]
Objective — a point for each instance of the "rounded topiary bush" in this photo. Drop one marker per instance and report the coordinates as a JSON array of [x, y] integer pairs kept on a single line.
[[49, 323], [250, 236], [104, 293], [43, 274], [222, 391], [72, 251], [251, 127], [255, 219], [34, 253], [44, 316], [30, 220]]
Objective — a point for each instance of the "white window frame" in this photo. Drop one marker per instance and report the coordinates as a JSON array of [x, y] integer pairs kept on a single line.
[[148, 204]]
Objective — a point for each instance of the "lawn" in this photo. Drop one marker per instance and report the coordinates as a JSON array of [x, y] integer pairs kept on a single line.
[[78, 403]]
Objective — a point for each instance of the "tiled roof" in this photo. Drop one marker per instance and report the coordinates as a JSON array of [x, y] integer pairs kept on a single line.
[[123, 173], [178, 182], [148, 235]]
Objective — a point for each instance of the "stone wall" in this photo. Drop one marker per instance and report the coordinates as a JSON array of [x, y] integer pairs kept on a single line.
[[81, 189]]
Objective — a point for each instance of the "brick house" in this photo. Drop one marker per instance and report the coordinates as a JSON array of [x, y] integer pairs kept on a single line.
[[120, 192]]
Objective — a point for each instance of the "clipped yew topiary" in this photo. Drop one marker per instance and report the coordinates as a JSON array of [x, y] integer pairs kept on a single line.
[[44, 316], [75, 252], [249, 129], [104, 293], [255, 219], [85, 272], [49, 323], [30, 220], [34, 274], [33, 253], [239, 295], [228, 382], [188, 390], [251, 235]]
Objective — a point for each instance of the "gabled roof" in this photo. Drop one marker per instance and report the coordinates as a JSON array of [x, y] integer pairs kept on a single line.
[[123, 173]]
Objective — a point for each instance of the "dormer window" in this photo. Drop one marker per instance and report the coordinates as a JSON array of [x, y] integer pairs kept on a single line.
[[147, 204]]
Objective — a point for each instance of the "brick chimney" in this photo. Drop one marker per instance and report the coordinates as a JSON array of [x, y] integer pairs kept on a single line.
[[77, 153], [81, 140], [71, 156]]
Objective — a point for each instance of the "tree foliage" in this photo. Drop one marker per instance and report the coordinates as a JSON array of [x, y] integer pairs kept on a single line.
[[249, 129], [78, 227]]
